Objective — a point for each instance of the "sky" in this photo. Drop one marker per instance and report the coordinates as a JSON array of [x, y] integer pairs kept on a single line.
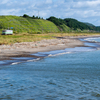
[[82, 10]]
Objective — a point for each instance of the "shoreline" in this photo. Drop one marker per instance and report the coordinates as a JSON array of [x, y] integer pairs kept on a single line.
[[25, 49]]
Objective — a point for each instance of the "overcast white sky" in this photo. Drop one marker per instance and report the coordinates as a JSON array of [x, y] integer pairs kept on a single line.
[[82, 10]]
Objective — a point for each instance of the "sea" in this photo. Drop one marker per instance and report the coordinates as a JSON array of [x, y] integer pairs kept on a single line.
[[69, 74]]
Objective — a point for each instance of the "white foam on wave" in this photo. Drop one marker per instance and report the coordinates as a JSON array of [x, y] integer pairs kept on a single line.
[[15, 63], [96, 39], [33, 60], [58, 54], [90, 39]]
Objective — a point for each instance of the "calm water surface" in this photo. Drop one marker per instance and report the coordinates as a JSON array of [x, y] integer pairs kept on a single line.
[[71, 76]]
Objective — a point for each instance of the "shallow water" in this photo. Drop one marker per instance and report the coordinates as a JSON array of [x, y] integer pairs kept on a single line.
[[71, 76]]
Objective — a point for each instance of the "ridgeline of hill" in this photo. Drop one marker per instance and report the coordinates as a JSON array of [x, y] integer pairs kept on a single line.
[[74, 25], [27, 24]]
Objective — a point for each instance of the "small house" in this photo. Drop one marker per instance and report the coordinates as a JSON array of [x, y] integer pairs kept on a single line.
[[7, 32]]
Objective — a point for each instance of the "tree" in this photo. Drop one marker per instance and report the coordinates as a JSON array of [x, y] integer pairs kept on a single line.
[[33, 17], [25, 15]]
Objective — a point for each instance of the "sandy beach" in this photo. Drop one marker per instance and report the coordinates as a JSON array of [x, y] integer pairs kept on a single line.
[[24, 49]]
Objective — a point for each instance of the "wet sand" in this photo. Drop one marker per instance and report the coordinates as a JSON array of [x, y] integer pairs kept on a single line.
[[24, 49]]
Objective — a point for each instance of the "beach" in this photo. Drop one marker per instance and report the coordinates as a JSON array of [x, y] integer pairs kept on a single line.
[[24, 49], [65, 68]]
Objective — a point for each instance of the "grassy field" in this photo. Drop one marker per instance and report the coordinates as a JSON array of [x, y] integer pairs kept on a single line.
[[11, 39]]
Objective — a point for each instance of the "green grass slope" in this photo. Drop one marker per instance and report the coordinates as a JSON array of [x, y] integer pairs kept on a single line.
[[64, 28], [60, 23], [28, 25]]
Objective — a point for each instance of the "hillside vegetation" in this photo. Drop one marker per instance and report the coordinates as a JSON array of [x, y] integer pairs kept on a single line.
[[74, 25], [26, 24]]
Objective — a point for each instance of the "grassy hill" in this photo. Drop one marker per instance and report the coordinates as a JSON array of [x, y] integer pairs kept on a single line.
[[28, 25]]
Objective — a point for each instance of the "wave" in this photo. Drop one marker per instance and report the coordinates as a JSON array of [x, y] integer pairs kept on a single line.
[[14, 63], [58, 54], [97, 39], [33, 60]]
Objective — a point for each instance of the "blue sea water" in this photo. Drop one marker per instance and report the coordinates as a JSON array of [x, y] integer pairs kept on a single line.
[[70, 74]]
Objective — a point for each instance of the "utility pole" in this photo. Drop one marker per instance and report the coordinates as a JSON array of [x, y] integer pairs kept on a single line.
[[38, 13]]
